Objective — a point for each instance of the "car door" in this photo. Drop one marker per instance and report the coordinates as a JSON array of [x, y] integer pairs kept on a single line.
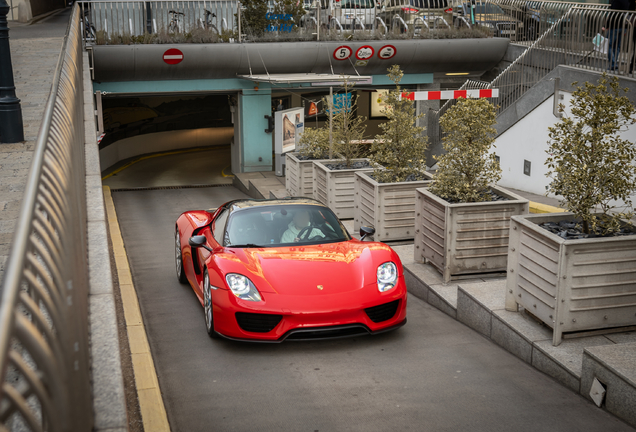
[[216, 238]]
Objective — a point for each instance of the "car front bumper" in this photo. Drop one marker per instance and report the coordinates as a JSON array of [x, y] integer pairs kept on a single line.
[[364, 311]]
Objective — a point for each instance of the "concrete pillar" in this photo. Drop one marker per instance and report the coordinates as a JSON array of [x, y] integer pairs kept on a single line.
[[255, 144], [425, 107]]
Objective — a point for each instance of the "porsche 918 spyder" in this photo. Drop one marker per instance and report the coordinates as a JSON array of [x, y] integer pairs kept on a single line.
[[274, 270]]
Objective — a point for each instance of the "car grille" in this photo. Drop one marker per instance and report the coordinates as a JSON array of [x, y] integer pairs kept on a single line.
[[332, 332], [257, 323], [382, 312]]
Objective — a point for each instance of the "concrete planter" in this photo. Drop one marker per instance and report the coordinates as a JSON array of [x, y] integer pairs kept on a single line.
[[335, 188], [299, 175], [387, 207], [466, 238], [571, 285]]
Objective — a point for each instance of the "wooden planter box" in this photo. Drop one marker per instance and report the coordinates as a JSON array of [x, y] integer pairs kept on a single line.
[[335, 188], [387, 207], [466, 238], [299, 175], [571, 285]]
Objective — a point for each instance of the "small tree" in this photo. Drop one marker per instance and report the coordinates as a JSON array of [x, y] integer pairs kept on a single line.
[[589, 164], [347, 128], [466, 171], [401, 149], [314, 143], [253, 20]]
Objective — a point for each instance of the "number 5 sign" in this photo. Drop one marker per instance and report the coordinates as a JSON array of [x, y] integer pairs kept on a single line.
[[342, 53]]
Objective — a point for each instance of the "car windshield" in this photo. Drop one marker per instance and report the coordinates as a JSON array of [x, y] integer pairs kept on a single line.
[[283, 225], [357, 4], [429, 4], [488, 9]]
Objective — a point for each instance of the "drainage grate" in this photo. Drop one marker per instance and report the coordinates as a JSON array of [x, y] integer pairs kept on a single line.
[[169, 187]]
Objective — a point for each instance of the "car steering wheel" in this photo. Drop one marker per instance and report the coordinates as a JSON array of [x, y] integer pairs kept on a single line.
[[305, 231]]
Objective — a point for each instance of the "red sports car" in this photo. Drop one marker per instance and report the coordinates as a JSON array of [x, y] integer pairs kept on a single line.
[[271, 270]]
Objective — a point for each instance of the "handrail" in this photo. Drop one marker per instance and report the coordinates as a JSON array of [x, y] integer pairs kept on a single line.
[[43, 308]]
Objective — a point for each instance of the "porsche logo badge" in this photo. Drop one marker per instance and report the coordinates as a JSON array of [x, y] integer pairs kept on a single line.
[[319, 287]]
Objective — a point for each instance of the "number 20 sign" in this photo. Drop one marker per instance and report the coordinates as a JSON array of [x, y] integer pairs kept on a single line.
[[342, 53]]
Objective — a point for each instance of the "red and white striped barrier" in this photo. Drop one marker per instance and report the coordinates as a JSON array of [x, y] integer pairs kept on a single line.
[[451, 94]]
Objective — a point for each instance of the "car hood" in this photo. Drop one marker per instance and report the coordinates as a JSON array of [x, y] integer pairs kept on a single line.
[[309, 270]]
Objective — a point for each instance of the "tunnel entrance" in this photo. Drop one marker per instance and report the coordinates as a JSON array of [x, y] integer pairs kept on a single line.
[[169, 140]]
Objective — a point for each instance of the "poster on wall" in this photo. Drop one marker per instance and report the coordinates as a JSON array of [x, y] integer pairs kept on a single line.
[[286, 131], [288, 127], [377, 103]]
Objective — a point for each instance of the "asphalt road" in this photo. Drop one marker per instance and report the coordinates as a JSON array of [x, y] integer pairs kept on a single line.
[[434, 374]]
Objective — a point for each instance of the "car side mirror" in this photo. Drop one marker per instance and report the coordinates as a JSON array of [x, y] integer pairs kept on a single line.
[[366, 231], [199, 241]]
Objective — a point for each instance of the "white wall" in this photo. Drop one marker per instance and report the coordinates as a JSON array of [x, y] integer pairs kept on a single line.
[[528, 139], [163, 141]]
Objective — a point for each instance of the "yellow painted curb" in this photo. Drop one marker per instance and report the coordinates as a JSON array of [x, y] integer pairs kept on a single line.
[[536, 207], [153, 412]]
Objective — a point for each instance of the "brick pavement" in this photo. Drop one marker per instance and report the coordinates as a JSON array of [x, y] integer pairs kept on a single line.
[[34, 61]]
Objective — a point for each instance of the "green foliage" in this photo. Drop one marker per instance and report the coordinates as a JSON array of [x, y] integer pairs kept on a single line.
[[347, 129], [401, 149], [590, 165], [466, 171], [253, 21], [314, 143]]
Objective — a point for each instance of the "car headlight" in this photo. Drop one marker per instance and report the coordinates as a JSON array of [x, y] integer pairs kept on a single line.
[[387, 276], [242, 287]]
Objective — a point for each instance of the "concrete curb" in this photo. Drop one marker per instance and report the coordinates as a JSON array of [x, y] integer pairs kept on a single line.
[[109, 401], [153, 411], [536, 207]]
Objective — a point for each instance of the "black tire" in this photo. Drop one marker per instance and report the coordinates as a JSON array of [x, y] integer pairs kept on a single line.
[[178, 258], [207, 307]]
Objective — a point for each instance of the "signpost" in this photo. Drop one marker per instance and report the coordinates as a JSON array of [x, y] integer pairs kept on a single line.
[[173, 56]]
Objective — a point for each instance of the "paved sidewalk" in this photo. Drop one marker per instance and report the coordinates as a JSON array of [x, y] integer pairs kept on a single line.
[[34, 60]]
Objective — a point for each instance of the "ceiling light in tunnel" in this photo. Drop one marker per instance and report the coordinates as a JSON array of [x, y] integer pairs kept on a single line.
[[456, 73]]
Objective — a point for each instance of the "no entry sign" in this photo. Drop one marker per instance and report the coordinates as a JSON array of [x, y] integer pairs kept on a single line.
[[173, 56]]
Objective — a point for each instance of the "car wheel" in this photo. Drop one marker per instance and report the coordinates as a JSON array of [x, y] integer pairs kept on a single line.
[[178, 258], [207, 306]]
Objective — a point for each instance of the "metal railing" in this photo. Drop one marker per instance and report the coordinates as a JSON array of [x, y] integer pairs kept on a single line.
[[44, 359], [591, 37], [172, 21], [125, 20], [576, 39]]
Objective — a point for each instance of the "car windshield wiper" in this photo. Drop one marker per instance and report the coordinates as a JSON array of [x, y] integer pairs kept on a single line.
[[246, 245]]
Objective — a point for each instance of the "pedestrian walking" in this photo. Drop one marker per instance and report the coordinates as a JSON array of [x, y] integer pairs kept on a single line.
[[614, 26]]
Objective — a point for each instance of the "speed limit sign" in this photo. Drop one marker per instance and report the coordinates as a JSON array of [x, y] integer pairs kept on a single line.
[[387, 52], [342, 53]]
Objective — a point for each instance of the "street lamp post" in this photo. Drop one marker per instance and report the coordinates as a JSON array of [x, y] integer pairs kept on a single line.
[[11, 128]]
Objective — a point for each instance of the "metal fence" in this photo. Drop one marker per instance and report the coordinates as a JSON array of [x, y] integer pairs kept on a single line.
[[44, 360], [123, 21], [587, 36], [593, 38]]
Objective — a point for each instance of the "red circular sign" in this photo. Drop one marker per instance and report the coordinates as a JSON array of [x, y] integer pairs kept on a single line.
[[342, 53], [173, 56], [387, 52], [365, 52]]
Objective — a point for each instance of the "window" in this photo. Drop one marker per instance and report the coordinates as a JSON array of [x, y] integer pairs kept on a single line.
[[219, 227]]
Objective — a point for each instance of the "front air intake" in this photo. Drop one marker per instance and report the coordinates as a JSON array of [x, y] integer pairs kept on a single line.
[[382, 312], [257, 323]]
